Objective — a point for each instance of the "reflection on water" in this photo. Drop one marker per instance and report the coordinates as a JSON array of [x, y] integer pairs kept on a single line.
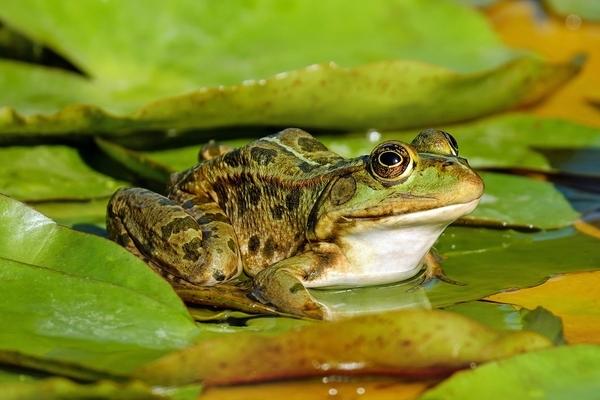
[[370, 299]]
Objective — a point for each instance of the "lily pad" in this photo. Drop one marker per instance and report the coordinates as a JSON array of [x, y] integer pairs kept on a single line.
[[509, 317], [235, 87], [519, 201], [94, 304], [387, 95], [490, 261], [389, 343], [572, 296], [51, 173], [571, 372]]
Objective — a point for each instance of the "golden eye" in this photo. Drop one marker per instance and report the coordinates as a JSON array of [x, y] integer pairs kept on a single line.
[[391, 161]]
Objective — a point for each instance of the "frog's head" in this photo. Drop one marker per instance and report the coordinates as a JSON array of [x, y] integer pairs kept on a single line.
[[399, 198]]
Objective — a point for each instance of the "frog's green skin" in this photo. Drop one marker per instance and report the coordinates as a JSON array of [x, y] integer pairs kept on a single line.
[[292, 214]]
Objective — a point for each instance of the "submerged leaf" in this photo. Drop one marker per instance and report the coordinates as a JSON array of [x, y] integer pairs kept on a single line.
[[508, 317], [568, 372], [94, 303], [408, 343]]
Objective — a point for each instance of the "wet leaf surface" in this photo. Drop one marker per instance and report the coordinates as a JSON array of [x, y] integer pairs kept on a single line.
[[80, 299], [509, 317], [424, 93], [407, 343], [50, 173], [574, 297], [490, 261], [557, 373]]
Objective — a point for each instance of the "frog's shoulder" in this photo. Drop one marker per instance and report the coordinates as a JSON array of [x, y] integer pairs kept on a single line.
[[292, 152]]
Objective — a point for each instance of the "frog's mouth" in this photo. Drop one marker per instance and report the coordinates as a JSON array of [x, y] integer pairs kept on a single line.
[[440, 215]]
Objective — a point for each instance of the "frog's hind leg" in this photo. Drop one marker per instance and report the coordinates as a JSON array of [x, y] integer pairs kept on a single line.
[[193, 241]]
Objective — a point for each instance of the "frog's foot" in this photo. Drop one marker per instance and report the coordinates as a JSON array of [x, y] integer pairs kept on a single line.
[[281, 285], [433, 270], [212, 150]]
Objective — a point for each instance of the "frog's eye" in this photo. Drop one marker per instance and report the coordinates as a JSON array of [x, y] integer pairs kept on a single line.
[[437, 142], [391, 161], [452, 142]]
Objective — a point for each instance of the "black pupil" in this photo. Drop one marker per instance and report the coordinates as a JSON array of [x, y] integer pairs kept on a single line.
[[452, 141], [390, 158]]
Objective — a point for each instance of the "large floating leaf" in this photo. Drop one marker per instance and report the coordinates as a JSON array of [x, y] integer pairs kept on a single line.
[[571, 372], [490, 261], [104, 39], [574, 297], [393, 94], [199, 53], [50, 173], [77, 298], [517, 201], [410, 343]]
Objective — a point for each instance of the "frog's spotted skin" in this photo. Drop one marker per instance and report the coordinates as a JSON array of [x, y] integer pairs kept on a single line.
[[293, 214]]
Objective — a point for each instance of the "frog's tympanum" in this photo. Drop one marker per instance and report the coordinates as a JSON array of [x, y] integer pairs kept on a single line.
[[293, 215]]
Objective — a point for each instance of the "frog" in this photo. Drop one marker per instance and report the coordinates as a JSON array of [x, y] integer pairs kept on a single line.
[[291, 215]]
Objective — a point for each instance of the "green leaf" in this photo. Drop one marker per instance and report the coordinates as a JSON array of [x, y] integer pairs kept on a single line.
[[429, 95], [50, 173], [79, 299], [585, 9], [104, 38], [64, 389], [568, 372], [490, 261], [509, 317], [518, 201], [234, 87], [409, 343], [80, 215]]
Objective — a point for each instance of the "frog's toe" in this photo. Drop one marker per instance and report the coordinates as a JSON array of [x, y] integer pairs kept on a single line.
[[285, 291]]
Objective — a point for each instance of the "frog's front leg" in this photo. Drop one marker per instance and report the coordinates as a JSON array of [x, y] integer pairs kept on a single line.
[[191, 240], [283, 283]]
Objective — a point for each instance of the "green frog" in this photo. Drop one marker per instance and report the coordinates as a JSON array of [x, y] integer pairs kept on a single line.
[[292, 215]]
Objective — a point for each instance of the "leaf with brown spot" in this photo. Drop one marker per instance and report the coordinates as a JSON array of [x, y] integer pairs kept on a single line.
[[411, 343]]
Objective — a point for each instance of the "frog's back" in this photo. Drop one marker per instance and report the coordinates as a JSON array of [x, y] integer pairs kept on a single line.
[[267, 189]]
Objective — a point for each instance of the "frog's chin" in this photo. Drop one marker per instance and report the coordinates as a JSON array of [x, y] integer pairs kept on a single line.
[[390, 249]]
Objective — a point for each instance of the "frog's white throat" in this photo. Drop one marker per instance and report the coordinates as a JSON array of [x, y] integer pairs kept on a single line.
[[392, 249]]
